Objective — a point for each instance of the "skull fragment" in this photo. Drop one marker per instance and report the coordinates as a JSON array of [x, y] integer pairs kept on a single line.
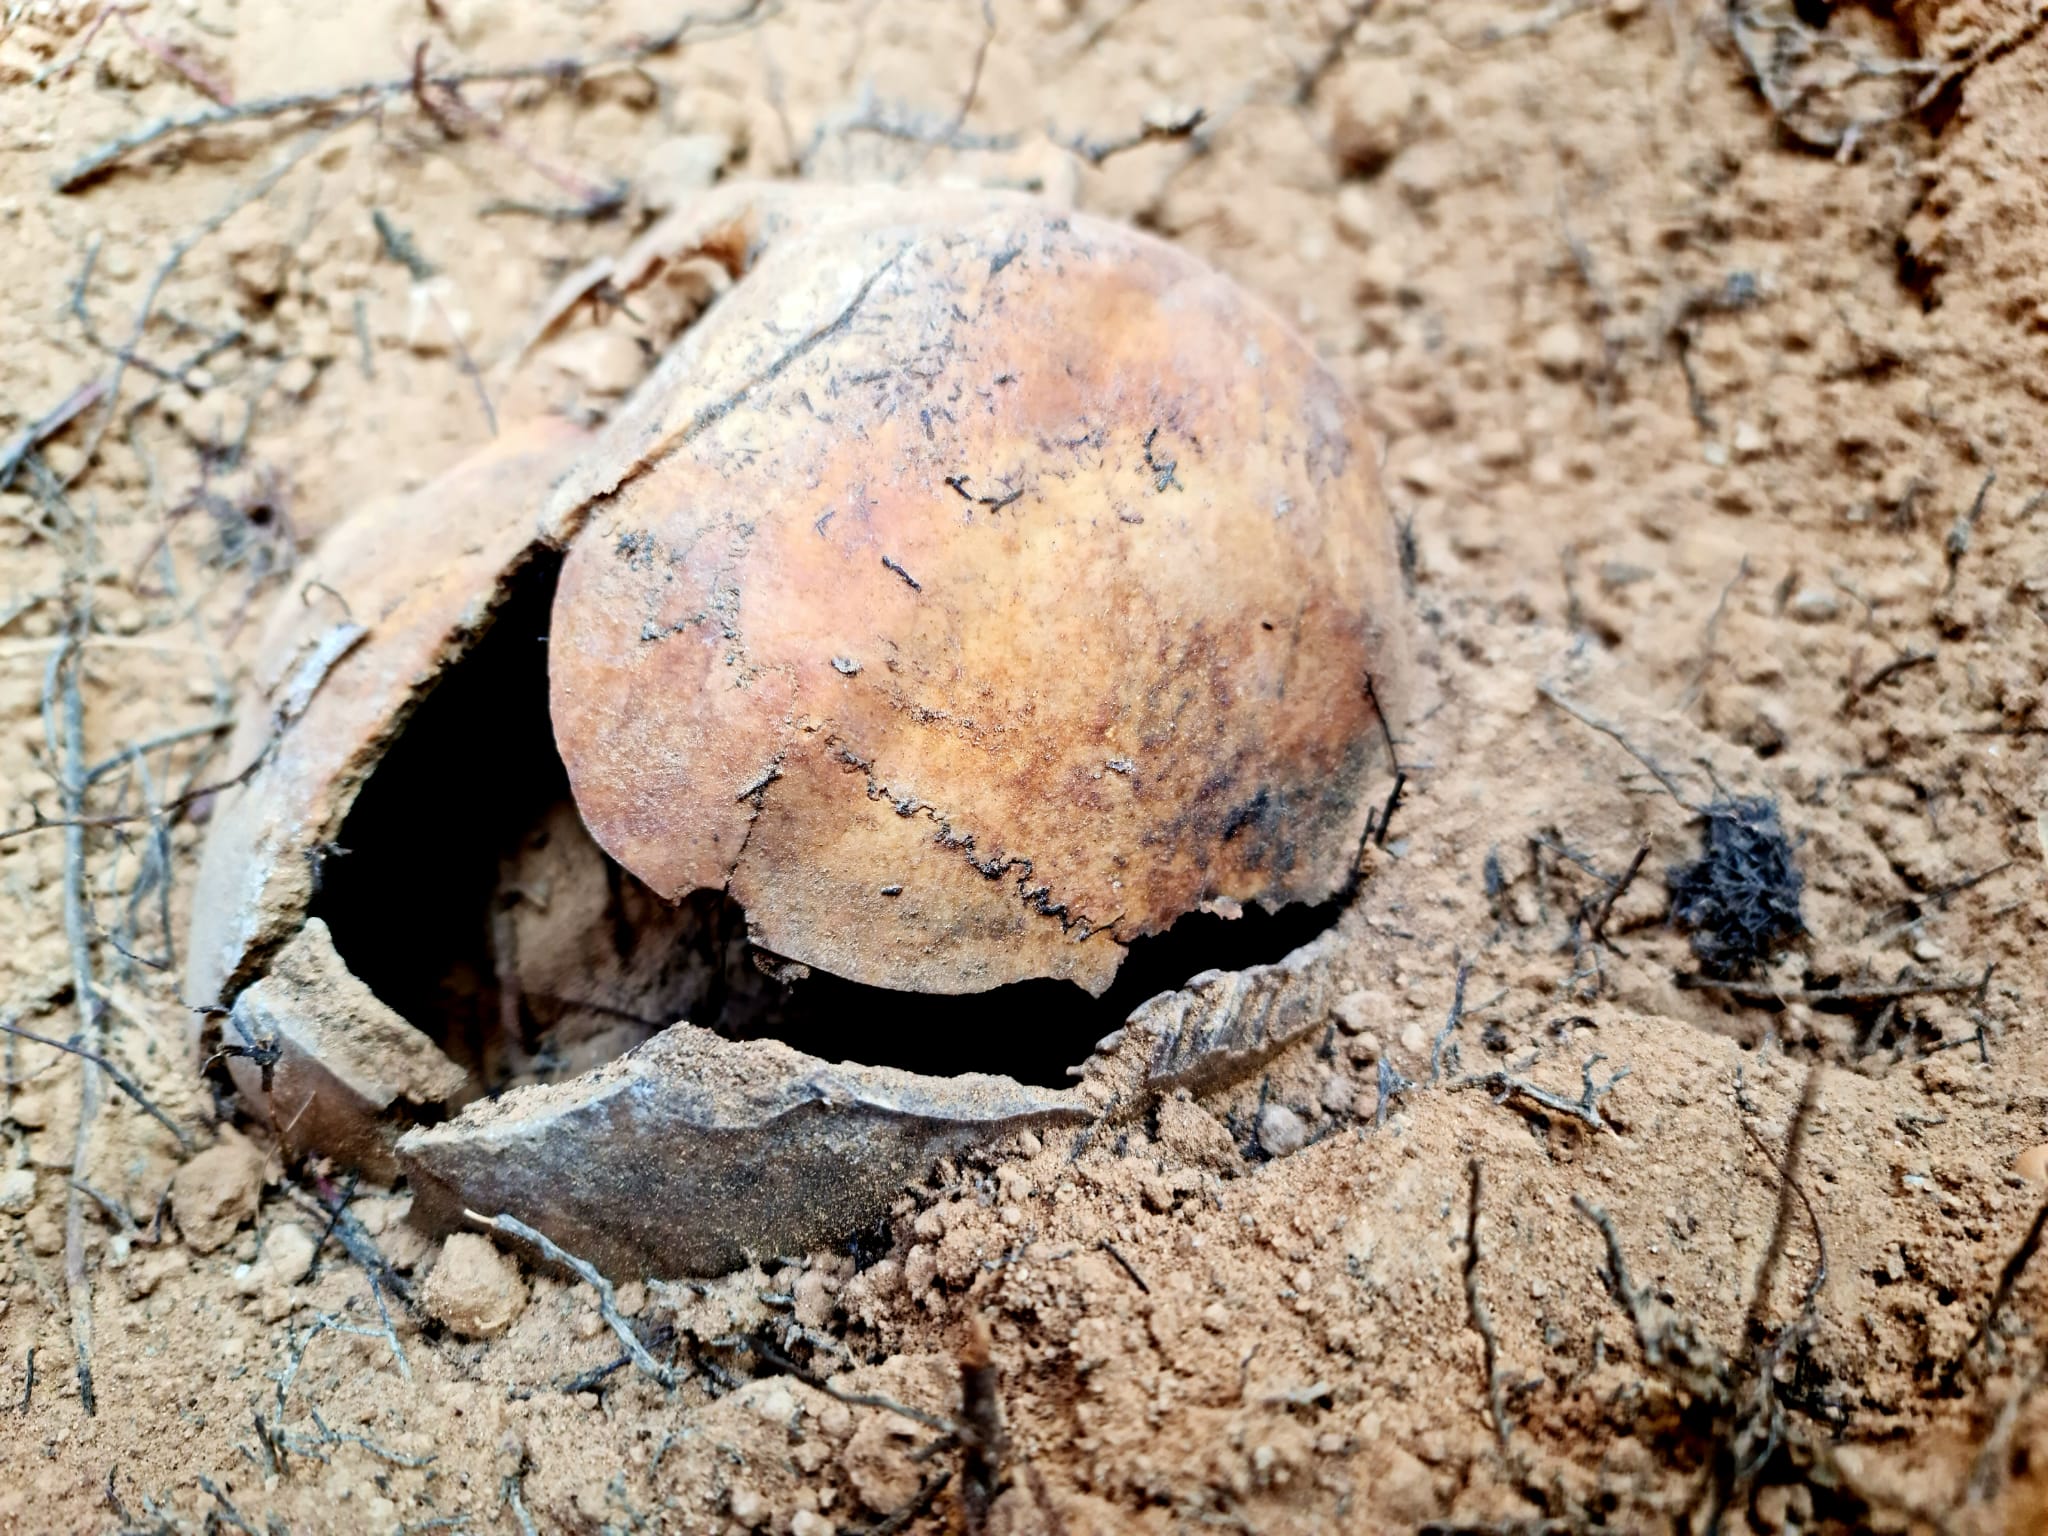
[[972, 591]]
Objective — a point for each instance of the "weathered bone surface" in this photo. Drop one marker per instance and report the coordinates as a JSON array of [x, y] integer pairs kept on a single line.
[[1025, 587], [1223, 1024], [693, 1153], [331, 1063], [886, 609]]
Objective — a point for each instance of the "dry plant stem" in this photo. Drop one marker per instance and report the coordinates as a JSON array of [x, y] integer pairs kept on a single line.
[[918, 1503], [988, 38], [981, 1426], [1668, 1348], [370, 94], [1099, 151], [1614, 734], [68, 748], [1457, 1016], [47, 426], [355, 1241], [1789, 1193], [1475, 1305], [121, 1079], [607, 1297], [817, 1383], [1712, 637], [1333, 51], [1875, 993], [1585, 1108], [1996, 1451], [1596, 925], [1126, 1265]]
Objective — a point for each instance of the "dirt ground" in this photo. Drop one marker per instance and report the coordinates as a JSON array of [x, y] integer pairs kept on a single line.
[[1708, 345]]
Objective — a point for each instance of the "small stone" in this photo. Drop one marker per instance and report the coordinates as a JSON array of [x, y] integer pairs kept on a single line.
[[1501, 448], [1357, 219], [1190, 1135], [1380, 275], [281, 1263], [1216, 1317], [1363, 1049], [2032, 1164], [1372, 101], [746, 1505], [17, 1190], [1336, 1093], [1560, 350], [1028, 1144], [604, 361], [297, 377], [1356, 1010], [807, 1523], [777, 1405], [216, 1192], [436, 321], [475, 1289], [1814, 605], [259, 262], [45, 1231], [813, 1293], [469, 22], [1281, 1131], [630, 1299]]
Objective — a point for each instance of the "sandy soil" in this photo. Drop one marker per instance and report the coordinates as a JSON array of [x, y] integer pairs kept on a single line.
[[1708, 345]]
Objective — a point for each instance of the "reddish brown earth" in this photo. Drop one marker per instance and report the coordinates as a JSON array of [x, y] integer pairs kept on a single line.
[[1708, 348]]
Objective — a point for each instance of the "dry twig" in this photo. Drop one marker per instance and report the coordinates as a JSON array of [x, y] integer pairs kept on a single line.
[[64, 732], [1585, 1108], [368, 95], [588, 1273], [1475, 1306], [121, 1080]]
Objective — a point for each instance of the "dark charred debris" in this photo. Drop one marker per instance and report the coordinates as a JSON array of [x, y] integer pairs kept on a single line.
[[1739, 902]]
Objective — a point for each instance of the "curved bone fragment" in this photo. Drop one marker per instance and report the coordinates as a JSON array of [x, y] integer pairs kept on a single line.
[[328, 1062], [359, 640], [694, 1153]]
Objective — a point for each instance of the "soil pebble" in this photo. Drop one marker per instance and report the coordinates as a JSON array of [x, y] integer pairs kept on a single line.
[[475, 1289], [216, 1192], [1281, 1131], [879, 1465], [281, 1263], [17, 1190]]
